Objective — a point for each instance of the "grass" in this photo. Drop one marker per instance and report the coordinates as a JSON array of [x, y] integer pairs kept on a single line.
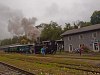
[[50, 64]]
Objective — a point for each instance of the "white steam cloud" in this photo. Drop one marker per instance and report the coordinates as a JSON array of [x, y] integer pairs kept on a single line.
[[12, 24], [23, 26]]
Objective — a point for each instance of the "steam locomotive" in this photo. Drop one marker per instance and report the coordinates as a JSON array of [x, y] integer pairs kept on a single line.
[[51, 47]]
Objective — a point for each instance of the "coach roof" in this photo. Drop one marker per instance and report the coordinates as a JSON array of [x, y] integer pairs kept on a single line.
[[83, 29]]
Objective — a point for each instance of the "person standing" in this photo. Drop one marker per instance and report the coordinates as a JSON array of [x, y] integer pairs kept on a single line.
[[43, 50], [81, 49]]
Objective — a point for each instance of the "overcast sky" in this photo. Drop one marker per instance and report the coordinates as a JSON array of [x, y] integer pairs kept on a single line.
[[60, 11], [57, 10]]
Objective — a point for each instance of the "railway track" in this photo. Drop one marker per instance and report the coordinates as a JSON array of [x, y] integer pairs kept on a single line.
[[76, 57], [75, 67], [6, 69], [80, 69], [69, 66]]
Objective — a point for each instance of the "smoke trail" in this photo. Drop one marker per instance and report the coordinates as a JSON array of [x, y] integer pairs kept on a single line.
[[29, 28], [5, 14], [12, 23], [23, 26]]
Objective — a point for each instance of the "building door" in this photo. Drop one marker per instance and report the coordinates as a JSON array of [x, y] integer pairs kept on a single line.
[[70, 48], [96, 46]]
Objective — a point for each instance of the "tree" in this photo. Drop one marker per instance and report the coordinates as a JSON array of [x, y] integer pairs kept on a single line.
[[95, 18], [81, 24], [24, 40], [6, 42], [15, 40], [51, 31], [67, 27], [76, 25]]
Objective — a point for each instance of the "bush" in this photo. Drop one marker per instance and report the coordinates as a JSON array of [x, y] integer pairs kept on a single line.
[[86, 50]]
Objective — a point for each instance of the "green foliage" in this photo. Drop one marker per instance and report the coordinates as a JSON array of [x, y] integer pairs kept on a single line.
[[16, 40], [81, 24], [67, 27], [86, 49], [95, 18], [23, 40], [76, 24], [84, 24], [51, 31], [6, 42]]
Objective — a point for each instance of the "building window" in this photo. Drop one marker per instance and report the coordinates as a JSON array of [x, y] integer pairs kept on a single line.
[[80, 36], [94, 35], [69, 38]]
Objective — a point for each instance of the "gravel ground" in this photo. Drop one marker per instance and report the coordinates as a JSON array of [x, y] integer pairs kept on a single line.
[[4, 70]]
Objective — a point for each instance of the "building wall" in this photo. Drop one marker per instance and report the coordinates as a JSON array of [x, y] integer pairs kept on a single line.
[[75, 41]]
